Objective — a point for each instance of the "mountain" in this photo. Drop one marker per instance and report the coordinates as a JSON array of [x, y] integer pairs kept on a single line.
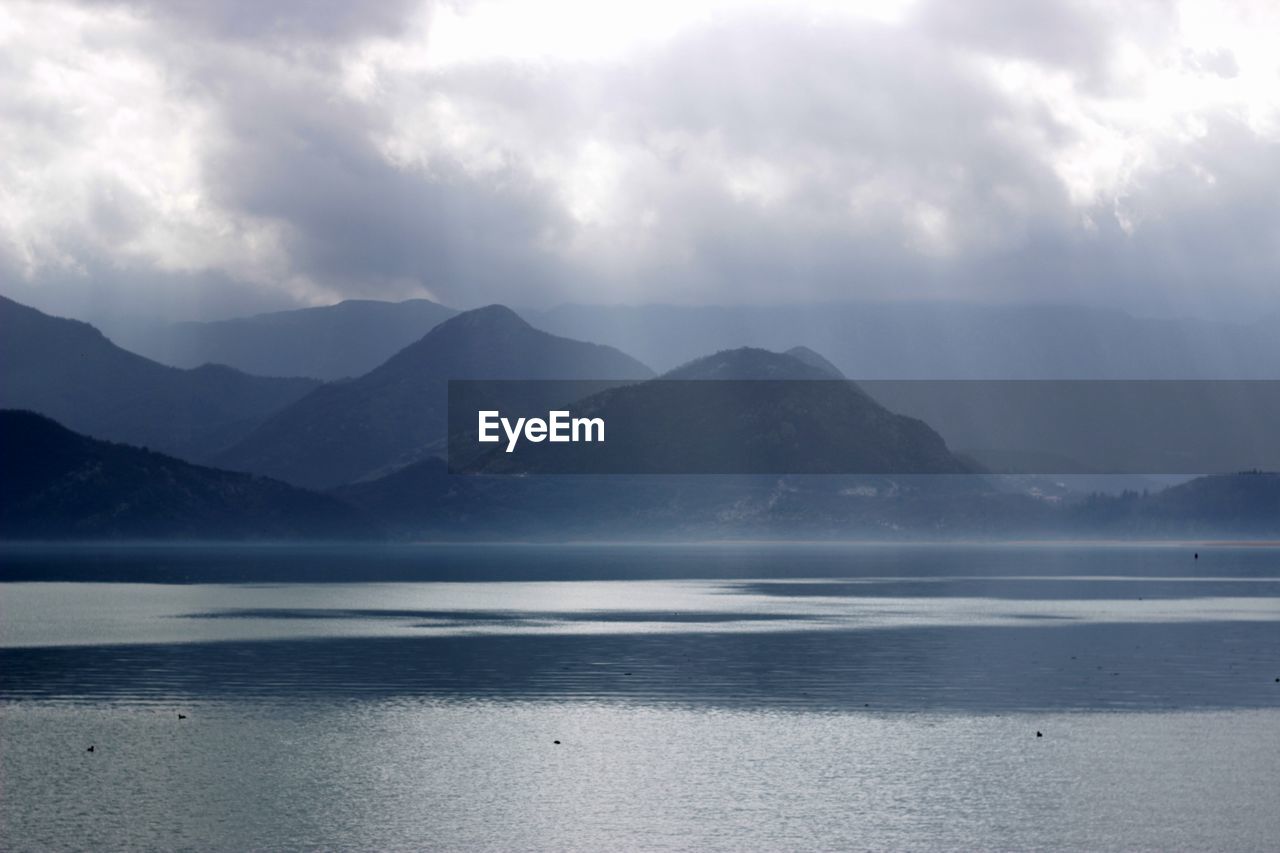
[[331, 342], [823, 420], [424, 499], [740, 411], [396, 413], [59, 484], [1243, 504], [69, 371], [936, 340], [748, 364], [811, 358]]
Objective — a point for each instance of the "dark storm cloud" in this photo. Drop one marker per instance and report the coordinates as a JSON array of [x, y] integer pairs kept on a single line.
[[358, 222]]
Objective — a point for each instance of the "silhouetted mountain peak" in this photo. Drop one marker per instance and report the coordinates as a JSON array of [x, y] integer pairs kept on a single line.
[[395, 414], [748, 363], [492, 323], [69, 370], [19, 319], [489, 318], [494, 342], [330, 342], [813, 359], [743, 410]]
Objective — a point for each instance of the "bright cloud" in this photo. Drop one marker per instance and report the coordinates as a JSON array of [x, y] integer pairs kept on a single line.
[[215, 156]]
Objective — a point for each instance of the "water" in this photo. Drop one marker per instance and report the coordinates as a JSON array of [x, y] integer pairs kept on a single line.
[[705, 697]]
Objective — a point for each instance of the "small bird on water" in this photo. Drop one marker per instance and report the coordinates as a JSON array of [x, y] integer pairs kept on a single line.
[[90, 749], [182, 716], [1038, 734]]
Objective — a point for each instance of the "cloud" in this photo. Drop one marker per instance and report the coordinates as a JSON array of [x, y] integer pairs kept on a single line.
[[283, 21], [225, 154]]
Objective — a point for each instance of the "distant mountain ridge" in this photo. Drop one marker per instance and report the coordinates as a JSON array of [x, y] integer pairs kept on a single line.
[[872, 340], [1243, 504], [937, 340], [377, 435], [813, 359], [330, 342], [62, 485], [396, 413], [748, 364], [59, 484], [71, 372]]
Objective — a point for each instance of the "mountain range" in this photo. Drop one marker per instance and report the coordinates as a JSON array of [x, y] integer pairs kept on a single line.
[[1244, 504], [938, 340], [70, 371], [934, 340], [330, 342], [61, 485], [374, 442], [397, 413]]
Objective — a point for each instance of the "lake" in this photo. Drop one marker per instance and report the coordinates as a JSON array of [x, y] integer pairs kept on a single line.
[[710, 697]]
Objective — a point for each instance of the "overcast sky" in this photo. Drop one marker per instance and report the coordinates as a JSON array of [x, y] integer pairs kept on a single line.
[[199, 158]]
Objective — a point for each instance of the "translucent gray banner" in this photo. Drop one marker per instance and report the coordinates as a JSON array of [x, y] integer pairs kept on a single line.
[[873, 427]]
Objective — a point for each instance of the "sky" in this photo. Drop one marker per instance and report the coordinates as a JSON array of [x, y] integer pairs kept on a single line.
[[207, 158]]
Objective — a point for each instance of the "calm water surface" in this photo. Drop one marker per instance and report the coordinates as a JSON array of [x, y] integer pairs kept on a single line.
[[705, 697]]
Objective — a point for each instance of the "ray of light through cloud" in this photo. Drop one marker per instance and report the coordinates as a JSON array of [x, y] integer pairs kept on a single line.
[[213, 158]]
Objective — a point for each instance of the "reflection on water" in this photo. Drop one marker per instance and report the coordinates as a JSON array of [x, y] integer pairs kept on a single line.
[[865, 697], [380, 774], [972, 668], [903, 628]]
